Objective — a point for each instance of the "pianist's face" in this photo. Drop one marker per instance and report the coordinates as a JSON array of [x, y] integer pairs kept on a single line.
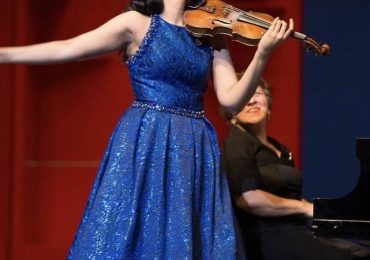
[[256, 111]]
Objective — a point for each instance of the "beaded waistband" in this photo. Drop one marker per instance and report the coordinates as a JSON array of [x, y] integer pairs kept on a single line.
[[173, 110]]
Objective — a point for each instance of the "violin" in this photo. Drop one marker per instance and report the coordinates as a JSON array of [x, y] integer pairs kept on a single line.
[[211, 17]]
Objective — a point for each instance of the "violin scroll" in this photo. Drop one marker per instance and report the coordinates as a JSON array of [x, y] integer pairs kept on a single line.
[[319, 49]]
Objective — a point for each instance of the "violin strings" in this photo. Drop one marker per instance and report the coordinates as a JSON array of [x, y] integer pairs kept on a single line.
[[256, 20], [230, 7], [250, 18]]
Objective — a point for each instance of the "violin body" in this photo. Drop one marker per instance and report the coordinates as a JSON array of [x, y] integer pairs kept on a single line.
[[213, 17]]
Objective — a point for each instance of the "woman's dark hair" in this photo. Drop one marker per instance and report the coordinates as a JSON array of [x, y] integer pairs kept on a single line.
[[146, 7]]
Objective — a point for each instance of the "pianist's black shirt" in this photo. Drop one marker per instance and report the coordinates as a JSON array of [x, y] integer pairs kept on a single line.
[[250, 165]]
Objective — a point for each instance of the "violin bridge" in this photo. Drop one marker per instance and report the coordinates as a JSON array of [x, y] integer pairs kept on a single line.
[[226, 12]]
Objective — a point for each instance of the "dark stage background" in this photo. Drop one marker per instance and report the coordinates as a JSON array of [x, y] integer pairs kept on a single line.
[[336, 93], [56, 119]]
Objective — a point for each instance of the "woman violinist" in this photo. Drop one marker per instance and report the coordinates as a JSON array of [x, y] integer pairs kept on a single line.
[[159, 193]]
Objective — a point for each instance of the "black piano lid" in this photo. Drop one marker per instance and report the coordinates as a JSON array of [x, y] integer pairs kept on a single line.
[[349, 216]]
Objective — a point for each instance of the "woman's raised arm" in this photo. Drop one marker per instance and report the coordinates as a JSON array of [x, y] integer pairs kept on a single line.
[[109, 37], [233, 94]]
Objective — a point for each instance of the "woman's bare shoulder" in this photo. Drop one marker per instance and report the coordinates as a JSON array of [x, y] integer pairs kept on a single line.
[[133, 20]]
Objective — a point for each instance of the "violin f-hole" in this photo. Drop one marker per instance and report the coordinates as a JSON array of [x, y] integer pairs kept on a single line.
[[221, 22]]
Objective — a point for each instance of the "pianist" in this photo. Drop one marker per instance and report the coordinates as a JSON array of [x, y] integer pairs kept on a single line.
[[267, 192]]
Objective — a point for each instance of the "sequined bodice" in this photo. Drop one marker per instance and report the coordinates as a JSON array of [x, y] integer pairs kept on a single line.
[[169, 68]]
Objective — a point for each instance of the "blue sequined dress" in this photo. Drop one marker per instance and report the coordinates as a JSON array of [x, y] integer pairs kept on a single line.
[[159, 193]]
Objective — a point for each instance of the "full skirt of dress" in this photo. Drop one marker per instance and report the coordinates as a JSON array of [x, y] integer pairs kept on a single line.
[[159, 194]]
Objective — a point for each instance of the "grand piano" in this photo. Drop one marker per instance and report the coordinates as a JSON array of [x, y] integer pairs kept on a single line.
[[348, 216]]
